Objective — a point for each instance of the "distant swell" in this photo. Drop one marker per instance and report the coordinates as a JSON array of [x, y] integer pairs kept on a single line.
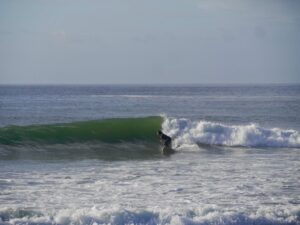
[[186, 132], [107, 131]]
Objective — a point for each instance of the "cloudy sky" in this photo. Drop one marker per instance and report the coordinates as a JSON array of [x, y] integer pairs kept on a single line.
[[149, 41]]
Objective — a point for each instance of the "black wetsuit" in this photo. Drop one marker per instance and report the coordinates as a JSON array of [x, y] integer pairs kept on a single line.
[[166, 140]]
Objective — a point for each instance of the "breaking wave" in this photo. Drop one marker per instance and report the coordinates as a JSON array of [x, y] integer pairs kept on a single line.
[[186, 133], [129, 138], [200, 216]]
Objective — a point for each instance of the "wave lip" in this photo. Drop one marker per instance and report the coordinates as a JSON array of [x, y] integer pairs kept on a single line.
[[187, 132]]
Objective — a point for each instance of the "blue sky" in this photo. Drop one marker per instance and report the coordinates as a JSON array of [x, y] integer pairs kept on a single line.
[[152, 42]]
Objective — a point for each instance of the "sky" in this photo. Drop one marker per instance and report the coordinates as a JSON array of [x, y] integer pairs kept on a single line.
[[149, 41]]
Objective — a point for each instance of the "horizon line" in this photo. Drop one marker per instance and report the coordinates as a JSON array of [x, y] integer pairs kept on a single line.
[[149, 84]]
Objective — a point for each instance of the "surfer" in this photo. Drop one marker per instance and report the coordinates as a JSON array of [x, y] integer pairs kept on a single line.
[[166, 141]]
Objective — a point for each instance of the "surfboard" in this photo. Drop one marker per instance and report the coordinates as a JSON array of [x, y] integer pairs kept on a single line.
[[167, 150]]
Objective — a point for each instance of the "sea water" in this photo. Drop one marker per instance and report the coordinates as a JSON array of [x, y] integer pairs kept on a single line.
[[89, 154]]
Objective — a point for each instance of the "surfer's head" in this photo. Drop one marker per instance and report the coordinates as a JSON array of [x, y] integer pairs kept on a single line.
[[159, 132]]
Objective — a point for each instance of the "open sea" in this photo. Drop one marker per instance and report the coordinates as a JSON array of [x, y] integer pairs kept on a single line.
[[90, 154]]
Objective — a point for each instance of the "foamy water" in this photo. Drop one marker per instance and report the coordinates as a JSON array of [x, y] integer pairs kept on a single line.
[[205, 187], [186, 132]]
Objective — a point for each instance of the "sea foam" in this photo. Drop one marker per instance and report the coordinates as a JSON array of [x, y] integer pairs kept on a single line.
[[186, 132], [199, 216]]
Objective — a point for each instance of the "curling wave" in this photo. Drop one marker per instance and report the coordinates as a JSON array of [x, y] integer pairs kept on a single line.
[[108, 131], [186, 133]]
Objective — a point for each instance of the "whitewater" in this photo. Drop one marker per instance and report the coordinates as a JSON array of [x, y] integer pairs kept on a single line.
[[90, 155], [187, 132]]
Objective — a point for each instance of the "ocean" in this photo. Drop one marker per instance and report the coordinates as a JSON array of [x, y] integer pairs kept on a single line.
[[90, 155]]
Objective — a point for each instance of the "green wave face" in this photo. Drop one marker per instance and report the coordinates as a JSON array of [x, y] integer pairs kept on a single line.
[[108, 130]]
